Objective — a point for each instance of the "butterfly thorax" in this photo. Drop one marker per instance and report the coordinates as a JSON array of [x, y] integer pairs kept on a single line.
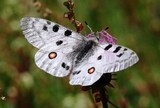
[[83, 51]]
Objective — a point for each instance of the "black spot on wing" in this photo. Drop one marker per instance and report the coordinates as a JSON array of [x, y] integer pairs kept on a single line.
[[120, 54], [63, 65], [59, 42], [76, 72], [108, 47], [55, 28], [45, 28], [132, 53], [99, 57], [125, 49], [117, 49], [67, 33], [67, 67], [48, 22]]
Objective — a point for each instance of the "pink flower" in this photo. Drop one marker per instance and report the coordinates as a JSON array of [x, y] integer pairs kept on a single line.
[[104, 37]]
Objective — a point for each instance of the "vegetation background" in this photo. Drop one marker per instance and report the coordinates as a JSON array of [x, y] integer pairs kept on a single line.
[[135, 23]]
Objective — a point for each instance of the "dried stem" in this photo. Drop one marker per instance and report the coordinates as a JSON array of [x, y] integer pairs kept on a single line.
[[71, 16]]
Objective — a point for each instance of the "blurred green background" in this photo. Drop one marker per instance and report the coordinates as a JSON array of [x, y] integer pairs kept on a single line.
[[135, 23]]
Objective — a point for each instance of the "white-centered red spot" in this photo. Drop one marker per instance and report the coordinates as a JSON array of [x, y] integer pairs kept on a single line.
[[52, 55], [91, 70]]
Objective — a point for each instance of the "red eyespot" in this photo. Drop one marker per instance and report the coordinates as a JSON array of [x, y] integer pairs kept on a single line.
[[91, 70], [52, 55]]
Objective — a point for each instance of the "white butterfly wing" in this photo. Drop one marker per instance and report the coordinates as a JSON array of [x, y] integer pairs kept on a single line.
[[117, 57], [106, 58], [40, 32], [54, 42], [81, 76], [55, 63]]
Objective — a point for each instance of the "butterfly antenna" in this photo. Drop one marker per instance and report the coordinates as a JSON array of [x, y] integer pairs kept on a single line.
[[89, 27], [106, 28], [91, 30]]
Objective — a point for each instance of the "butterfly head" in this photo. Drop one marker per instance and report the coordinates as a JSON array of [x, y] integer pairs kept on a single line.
[[105, 37], [93, 37], [102, 37]]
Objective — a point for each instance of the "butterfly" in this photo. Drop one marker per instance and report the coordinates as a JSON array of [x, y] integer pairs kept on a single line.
[[63, 52]]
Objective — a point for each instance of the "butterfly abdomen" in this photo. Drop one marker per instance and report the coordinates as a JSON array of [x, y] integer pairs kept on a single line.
[[84, 51]]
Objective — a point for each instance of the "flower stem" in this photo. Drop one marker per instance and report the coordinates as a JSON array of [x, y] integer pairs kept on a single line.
[[103, 97]]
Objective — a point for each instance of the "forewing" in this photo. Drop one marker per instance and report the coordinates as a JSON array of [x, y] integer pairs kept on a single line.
[[106, 58], [55, 43], [40, 32]]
